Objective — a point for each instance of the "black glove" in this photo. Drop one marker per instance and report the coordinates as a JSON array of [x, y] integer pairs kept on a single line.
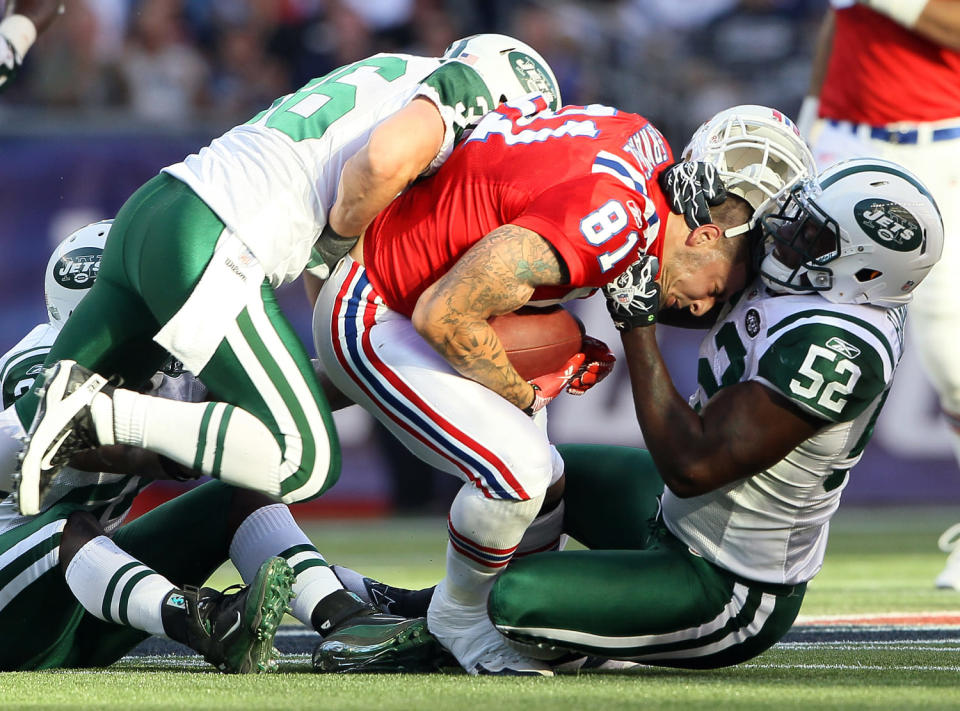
[[331, 247], [633, 298], [690, 189]]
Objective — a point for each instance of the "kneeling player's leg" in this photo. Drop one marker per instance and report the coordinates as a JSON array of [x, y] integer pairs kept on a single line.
[[662, 606], [38, 614], [611, 495], [145, 581], [455, 425], [272, 430]]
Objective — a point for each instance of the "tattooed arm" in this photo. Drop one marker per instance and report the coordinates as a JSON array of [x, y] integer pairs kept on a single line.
[[497, 275]]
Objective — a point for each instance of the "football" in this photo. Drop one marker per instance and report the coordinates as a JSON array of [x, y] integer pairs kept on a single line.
[[538, 340]]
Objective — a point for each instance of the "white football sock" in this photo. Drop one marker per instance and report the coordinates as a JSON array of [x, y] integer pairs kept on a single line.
[[213, 437], [484, 534], [116, 587], [271, 531]]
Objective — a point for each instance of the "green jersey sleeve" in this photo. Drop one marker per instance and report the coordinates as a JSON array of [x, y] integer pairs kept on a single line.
[[18, 374], [825, 369], [460, 92]]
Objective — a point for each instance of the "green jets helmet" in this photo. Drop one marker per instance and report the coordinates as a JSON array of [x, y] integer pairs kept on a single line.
[[866, 231], [72, 269], [509, 67], [758, 153]]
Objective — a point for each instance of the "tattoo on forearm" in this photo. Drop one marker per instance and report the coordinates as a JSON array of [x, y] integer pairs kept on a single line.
[[497, 275]]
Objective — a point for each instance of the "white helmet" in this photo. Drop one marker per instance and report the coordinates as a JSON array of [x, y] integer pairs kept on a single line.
[[758, 153], [866, 232], [72, 269], [509, 67]]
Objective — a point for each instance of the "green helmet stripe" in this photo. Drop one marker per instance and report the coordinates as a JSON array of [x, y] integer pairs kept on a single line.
[[880, 168]]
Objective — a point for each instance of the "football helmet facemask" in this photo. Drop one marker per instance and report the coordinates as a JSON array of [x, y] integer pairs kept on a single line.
[[509, 67], [72, 269], [865, 232], [758, 153]]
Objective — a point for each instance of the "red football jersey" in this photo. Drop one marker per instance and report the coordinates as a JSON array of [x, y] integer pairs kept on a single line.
[[583, 178], [881, 72]]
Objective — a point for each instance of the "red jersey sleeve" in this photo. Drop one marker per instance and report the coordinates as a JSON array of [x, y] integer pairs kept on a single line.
[[597, 225]]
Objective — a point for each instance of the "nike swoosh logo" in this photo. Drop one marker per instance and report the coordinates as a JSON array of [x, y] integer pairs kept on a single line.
[[233, 628], [47, 461]]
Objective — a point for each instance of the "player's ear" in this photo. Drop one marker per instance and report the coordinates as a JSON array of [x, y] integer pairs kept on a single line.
[[704, 235]]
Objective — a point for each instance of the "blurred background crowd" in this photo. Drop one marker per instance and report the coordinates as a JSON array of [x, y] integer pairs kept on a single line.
[[175, 63]]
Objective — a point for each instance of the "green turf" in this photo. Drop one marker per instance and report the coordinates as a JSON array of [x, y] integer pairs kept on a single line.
[[878, 561]]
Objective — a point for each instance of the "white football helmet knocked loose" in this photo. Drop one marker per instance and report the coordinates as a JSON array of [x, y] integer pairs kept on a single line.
[[758, 153], [509, 67], [866, 231], [72, 269]]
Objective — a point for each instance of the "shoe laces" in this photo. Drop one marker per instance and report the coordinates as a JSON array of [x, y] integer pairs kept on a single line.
[[211, 601], [950, 539]]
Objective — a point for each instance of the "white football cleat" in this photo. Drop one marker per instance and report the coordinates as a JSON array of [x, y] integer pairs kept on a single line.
[[61, 427], [949, 542], [581, 664], [470, 636]]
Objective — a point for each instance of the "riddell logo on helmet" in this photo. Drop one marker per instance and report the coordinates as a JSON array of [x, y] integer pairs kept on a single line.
[[889, 224], [78, 269]]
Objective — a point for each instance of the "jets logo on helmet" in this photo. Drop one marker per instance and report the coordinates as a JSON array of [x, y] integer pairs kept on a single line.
[[72, 270], [77, 269], [866, 232], [508, 67], [890, 224]]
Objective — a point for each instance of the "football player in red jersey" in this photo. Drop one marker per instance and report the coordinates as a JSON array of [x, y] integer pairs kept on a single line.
[[886, 83], [535, 207], [24, 20]]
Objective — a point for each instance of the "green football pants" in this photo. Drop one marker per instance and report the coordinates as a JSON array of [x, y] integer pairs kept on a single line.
[[644, 596], [44, 626], [159, 247]]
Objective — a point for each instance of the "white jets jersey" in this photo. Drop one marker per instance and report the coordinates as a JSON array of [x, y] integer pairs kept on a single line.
[[107, 496], [834, 361], [272, 179]]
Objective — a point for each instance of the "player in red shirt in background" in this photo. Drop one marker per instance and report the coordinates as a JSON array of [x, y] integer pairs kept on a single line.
[[535, 207], [887, 77]]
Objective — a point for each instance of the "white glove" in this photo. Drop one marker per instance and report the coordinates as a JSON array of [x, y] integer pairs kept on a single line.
[[17, 35]]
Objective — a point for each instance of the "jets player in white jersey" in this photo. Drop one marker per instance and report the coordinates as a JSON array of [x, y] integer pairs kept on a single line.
[[80, 587], [792, 377], [195, 253]]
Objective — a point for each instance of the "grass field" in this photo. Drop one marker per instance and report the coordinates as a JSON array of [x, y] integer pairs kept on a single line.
[[879, 562]]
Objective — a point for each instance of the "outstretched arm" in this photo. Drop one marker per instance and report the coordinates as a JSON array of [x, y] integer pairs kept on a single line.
[[940, 22], [19, 31], [821, 56], [497, 275], [742, 430]]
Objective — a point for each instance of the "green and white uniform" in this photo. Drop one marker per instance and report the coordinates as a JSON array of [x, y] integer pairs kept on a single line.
[[273, 179], [192, 258], [835, 361], [712, 580], [43, 623]]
